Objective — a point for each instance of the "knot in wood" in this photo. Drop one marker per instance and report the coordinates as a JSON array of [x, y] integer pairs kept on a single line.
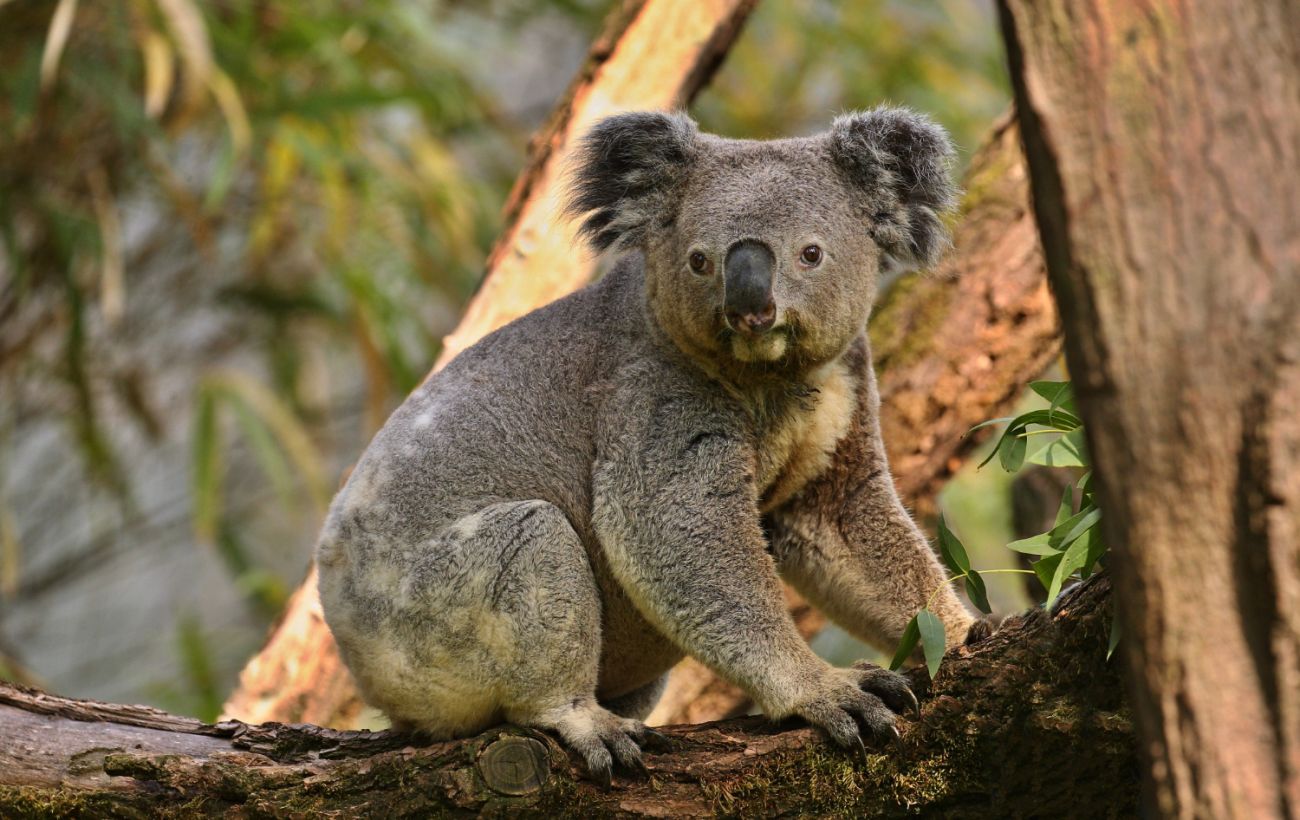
[[515, 765]]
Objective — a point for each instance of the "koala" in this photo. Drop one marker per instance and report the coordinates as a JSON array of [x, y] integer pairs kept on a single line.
[[546, 526]]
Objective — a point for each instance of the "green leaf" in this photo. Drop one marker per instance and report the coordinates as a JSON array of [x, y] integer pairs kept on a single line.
[[983, 424], [1067, 507], [1116, 632], [997, 447], [1071, 560], [1066, 451], [1035, 545], [932, 639], [1065, 534], [1046, 568], [1096, 551], [906, 644], [976, 591], [1055, 419], [1011, 452], [1058, 420], [951, 549], [1060, 394]]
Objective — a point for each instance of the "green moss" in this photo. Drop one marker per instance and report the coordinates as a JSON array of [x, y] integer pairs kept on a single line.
[[23, 802], [823, 781], [985, 182], [902, 328]]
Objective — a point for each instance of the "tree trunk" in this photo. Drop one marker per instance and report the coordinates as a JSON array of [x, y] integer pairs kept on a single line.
[[1030, 722], [1164, 143]]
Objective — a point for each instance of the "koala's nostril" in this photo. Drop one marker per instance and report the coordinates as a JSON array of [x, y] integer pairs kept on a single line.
[[753, 323]]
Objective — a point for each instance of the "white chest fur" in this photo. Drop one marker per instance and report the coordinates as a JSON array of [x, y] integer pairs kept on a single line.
[[798, 447]]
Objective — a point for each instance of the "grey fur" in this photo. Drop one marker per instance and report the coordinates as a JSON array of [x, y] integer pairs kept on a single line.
[[543, 528]]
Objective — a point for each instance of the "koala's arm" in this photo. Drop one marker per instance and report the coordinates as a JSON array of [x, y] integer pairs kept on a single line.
[[676, 513], [851, 548]]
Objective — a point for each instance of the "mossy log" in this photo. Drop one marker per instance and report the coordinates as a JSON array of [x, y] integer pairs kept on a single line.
[[1030, 722]]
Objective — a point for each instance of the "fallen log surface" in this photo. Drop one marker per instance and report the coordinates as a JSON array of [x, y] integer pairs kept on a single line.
[[1030, 722]]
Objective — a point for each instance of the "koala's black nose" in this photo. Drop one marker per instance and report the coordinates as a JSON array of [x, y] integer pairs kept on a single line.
[[747, 287]]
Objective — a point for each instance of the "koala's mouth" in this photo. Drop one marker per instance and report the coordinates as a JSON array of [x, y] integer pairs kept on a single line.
[[766, 347]]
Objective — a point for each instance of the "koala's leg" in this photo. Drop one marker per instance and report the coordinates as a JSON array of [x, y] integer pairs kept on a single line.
[[498, 618], [639, 703], [851, 548], [676, 511]]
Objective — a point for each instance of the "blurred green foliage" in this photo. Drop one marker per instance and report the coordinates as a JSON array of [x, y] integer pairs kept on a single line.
[[799, 62], [358, 156]]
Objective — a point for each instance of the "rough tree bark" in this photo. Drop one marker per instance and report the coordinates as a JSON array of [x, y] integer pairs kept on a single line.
[[1030, 722], [1164, 143]]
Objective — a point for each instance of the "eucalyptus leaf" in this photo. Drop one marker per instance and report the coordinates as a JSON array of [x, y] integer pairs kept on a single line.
[[1034, 545], [906, 644], [1071, 560], [1056, 419], [1065, 451], [1046, 568], [988, 423], [1060, 394], [932, 639], [977, 592], [1011, 452], [1065, 534], [1096, 551], [951, 549], [1066, 509]]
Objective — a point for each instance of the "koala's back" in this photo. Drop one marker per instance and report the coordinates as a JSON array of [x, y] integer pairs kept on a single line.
[[511, 418]]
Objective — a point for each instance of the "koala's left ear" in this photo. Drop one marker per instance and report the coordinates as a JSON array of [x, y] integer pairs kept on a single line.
[[625, 172], [901, 161]]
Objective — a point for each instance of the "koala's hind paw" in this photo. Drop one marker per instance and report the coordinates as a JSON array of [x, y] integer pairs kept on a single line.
[[890, 687], [982, 628], [602, 738]]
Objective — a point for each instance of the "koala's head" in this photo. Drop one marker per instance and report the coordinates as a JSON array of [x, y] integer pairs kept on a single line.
[[766, 252]]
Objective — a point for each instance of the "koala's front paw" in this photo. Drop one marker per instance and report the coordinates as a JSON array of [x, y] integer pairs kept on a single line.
[[860, 700]]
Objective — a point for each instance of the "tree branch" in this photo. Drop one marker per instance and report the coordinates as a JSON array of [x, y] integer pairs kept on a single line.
[[1028, 722]]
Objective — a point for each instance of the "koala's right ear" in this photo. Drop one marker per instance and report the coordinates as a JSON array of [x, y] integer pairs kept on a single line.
[[624, 172], [901, 163]]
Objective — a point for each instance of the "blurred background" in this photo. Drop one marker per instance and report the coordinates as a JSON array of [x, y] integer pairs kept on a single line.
[[232, 236]]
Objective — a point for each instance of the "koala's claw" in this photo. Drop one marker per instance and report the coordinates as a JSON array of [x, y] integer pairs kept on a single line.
[[639, 768], [654, 741], [602, 772], [603, 739], [891, 687], [846, 712]]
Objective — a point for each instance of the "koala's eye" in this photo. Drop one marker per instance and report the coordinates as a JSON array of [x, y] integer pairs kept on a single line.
[[699, 262], [811, 256]]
